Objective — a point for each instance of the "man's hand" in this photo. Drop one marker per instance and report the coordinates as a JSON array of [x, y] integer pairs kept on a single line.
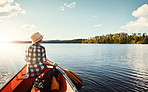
[[55, 64], [52, 63]]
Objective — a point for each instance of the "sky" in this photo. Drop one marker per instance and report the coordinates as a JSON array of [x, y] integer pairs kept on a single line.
[[71, 19]]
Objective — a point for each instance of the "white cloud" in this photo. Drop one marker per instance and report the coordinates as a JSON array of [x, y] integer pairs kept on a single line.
[[98, 25], [141, 24], [71, 6], [65, 4], [95, 16], [8, 10], [62, 8], [26, 26], [5, 2]]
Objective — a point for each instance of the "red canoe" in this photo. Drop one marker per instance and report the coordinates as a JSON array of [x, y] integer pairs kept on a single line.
[[19, 83]]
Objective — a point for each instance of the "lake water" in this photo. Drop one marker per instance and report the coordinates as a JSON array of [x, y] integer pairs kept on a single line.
[[103, 67]]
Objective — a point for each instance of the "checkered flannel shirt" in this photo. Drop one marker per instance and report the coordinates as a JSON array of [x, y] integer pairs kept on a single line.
[[34, 56]]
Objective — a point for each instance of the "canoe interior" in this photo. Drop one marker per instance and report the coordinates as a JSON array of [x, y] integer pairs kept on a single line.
[[20, 83]]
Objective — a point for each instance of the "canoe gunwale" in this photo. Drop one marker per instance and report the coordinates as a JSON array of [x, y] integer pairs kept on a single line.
[[11, 78], [68, 79]]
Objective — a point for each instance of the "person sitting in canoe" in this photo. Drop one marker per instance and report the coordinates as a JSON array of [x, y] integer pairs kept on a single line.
[[35, 57]]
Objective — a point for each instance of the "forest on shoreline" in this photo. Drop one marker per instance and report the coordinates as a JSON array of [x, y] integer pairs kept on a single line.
[[119, 38]]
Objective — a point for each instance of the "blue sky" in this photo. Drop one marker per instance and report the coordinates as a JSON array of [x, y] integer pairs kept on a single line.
[[71, 19]]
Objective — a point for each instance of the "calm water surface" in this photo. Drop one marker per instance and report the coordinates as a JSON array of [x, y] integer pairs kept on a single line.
[[103, 67]]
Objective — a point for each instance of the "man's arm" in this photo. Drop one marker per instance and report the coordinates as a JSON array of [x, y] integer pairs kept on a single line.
[[49, 63]]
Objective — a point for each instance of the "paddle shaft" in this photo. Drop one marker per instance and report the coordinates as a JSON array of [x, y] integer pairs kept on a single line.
[[75, 75], [53, 62]]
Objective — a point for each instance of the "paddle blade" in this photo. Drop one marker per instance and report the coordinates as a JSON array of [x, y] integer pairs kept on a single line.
[[74, 79], [75, 75]]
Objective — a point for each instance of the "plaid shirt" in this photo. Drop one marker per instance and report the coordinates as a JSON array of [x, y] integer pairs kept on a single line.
[[34, 56]]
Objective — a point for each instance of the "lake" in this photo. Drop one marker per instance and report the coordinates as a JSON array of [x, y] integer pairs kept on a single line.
[[103, 67]]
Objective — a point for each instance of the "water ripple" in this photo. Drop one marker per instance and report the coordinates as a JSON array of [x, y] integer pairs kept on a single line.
[[116, 79]]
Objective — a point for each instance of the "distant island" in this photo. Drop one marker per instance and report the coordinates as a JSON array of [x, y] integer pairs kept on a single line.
[[52, 41], [119, 38]]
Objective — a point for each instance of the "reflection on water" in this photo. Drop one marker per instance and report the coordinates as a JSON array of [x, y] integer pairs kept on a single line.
[[103, 67], [11, 61]]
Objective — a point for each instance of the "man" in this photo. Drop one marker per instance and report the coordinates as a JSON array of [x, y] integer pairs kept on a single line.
[[35, 57]]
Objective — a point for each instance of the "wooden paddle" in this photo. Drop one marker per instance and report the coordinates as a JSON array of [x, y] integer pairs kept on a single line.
[[74, 77]]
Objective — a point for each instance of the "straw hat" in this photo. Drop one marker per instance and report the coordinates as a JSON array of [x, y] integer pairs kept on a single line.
[[36, 37]]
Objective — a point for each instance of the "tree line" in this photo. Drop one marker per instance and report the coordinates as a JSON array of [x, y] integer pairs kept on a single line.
[[119, 38]]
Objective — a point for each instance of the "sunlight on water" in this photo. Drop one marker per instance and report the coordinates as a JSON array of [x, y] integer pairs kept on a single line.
[[11, 60], [4, 47]]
